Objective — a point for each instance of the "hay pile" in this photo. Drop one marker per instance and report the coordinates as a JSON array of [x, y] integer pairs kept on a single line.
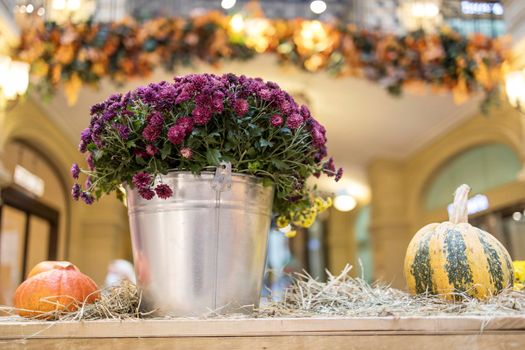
[[119, 302], [341, 295]]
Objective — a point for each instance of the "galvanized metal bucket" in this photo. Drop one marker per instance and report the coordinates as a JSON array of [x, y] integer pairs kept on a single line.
[[204, 249]]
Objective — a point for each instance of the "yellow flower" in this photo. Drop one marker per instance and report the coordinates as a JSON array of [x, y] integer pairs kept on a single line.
[[282, 221], [519, 271], [320, 204], [306, 218], [329, 202], [291, 234]]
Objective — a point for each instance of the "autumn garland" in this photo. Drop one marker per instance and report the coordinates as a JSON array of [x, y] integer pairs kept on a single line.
[[84, 53]]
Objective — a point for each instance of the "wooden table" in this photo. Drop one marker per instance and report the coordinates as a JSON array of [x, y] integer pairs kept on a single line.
[[421, 333]]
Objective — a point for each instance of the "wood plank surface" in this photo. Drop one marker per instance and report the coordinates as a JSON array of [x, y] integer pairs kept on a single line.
[[258, 327], [486, 341]]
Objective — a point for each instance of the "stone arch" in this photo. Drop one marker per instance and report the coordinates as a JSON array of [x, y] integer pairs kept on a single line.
[[504, 128]]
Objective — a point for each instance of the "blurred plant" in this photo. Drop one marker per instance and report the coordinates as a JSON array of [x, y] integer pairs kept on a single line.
[[84, 53]]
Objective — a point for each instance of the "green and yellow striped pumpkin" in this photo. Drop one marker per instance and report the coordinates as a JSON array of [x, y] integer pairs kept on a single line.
[[454, 257]]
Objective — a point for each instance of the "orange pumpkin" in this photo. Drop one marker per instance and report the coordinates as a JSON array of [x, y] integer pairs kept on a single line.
[[44, 266], [61, 289]]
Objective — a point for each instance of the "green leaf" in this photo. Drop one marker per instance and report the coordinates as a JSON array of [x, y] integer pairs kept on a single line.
[[97, 154], [166, 150], [254, 165], [279, 164], [265, 143], [285, 131], [213, 156], [140, 160], [267, 181]]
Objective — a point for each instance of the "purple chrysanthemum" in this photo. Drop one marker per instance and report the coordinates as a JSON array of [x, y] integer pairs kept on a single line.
[[163, 191], [339, 174], [122, 130], [141, 180], [318, 138], [186, 152], [146, 193], [151, 150], [294, 121], [88, 183], [176, 134], [75, 171], [155, 119], [186, 123], [305, 112], [276, 120], [151, 133], [240, 106], [285, 106], [265, 94], [90, 162], [85, 139], [87, 198], [76, 190], [201, 115], [97, 108], [329, 167]]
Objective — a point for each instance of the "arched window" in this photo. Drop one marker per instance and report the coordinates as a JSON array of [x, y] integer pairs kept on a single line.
[[483, 168], [34, 215]]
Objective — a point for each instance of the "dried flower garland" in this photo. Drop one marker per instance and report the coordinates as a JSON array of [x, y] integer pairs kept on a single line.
[[194, 124], [83, 54]]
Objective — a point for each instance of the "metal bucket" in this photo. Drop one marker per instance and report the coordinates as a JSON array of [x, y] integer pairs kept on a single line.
[[204, 249]]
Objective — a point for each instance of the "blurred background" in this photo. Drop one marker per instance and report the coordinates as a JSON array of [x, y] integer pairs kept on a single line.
[[403, 155]]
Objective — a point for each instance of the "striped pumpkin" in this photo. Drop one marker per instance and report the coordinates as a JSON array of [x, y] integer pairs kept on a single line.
[[455, 257]]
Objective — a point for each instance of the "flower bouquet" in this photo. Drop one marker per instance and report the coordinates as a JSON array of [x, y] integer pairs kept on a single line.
[[163, 141]]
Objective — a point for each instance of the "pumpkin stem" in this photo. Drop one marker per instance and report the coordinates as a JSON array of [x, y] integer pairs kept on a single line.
[[459, 212]]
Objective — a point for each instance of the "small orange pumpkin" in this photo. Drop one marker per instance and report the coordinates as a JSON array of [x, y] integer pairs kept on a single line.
[[44, 266], [61, 289]]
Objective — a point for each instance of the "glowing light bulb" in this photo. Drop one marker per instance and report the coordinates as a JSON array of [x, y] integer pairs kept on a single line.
[[228, 4], [344, 202], [318, 6], [30, 8], [59, 4], [237, 23], [425, 10], [73, 5], [515, 87]]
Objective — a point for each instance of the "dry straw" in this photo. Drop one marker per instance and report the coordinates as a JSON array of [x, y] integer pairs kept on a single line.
[[341, 295], [118, 302]]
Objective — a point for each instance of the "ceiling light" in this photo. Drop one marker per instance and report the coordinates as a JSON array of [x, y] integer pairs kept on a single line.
[[517, 216], [73, 5], [318, 6], [41, 11], [14, 77], [344, 202], [425, 10], [30, 8], [237, 23], [228, 4], [515, 88], [59, 4]]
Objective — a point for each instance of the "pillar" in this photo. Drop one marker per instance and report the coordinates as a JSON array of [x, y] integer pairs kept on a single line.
[[389, 227]]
